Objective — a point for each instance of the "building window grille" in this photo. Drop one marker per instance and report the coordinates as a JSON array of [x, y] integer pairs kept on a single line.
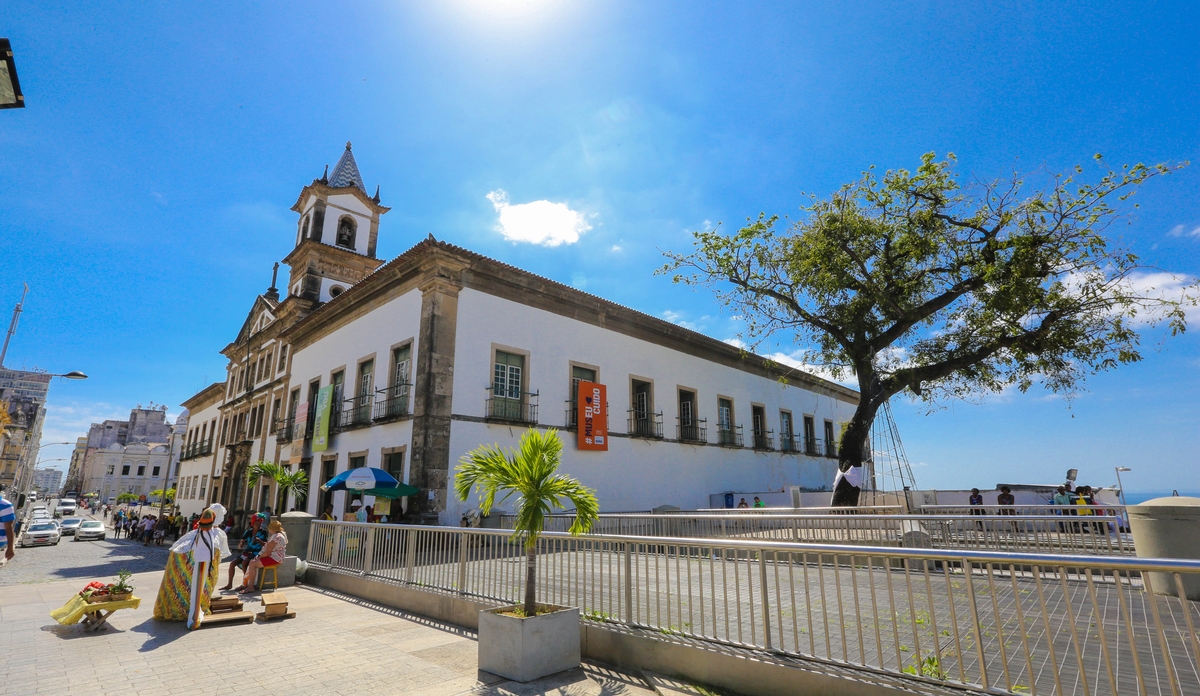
[[506, 399], [787, 439], [830, 440], [578, 374]]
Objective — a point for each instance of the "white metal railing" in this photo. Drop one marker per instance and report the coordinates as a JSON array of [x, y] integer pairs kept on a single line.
[[994, 509], [811, 510], [1098, 536], [989, 621]]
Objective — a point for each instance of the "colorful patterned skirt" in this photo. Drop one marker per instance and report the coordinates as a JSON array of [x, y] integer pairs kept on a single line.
[[175, 592]]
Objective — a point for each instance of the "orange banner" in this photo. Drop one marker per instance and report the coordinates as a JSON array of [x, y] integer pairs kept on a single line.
[[592, 416]]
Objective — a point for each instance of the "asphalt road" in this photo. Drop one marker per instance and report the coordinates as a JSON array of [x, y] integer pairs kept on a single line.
[[82, 560]]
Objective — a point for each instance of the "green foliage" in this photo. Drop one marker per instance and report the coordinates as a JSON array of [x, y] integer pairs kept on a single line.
[[912, 282], [122, 584], [127, 498], [531, 473], [287, 482], [158, 493], [930, 667]]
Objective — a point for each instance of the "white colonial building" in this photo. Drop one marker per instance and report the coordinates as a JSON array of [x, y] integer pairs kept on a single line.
[[424, 358]]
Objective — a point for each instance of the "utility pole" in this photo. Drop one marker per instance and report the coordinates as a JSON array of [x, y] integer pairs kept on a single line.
[[12, 328]]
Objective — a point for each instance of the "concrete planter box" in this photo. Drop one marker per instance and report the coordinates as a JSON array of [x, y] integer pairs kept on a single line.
[[524, 649]]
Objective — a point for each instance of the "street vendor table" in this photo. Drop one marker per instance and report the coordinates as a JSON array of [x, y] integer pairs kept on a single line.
[[94, 616]]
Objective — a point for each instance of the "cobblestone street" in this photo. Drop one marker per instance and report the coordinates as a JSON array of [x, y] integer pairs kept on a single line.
[[90, 560]]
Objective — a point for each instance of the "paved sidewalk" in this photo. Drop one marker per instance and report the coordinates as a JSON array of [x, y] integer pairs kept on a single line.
[[335, 645]]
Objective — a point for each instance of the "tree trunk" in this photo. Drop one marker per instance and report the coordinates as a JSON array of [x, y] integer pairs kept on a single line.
[[852, 451], [531, 580]]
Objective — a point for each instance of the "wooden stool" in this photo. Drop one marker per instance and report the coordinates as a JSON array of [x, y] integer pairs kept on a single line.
[[262, 577]]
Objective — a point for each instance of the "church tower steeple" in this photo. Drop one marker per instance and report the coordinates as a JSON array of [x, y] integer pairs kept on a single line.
[[336, 234]]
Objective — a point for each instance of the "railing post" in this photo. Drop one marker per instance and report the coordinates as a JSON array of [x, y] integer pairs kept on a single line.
[[628, 583], [463, 538], [766, 597], [369, 552], [335, 555], [312, 533], [410, 555]]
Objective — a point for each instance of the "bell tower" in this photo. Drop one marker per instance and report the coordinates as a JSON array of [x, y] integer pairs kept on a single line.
[[336, 233]]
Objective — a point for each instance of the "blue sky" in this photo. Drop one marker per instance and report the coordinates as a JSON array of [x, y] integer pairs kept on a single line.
[[145, 191]]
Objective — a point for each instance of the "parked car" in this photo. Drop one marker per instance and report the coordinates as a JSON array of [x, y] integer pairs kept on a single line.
[[69, 525], [90, 529], [40, 534]]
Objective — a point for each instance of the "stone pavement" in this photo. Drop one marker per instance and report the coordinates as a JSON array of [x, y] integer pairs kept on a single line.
[[335, 645]]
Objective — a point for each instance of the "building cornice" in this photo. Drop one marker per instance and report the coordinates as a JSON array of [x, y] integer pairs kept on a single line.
[[431, 261], [204, 398], [319, 189]]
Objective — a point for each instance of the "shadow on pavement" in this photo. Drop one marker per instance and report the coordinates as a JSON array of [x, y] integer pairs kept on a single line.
[[160, 633], [76, 631]]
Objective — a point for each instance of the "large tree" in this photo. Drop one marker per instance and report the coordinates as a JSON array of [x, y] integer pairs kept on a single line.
[[913, 281]]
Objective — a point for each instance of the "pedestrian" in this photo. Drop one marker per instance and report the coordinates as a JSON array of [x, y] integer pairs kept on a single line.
[[8, 534], [1006, 498], [976, 502], [758, 503], [328, 514], [360, 513], [1061, 500], [272, 555], [743, 505]]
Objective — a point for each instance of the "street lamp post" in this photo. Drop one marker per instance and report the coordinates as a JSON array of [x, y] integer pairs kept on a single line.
[[1120, 485]]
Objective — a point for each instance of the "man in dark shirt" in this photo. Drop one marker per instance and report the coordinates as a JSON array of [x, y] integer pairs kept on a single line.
[[252, 543]]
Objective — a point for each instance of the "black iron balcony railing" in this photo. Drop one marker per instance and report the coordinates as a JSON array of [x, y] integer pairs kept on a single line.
[[693, 430], [355, 413], [816, 447], [285, 429], [310, 424], [572, 418], [199, 448], [393, 402], [729, 435], [510, 407], [763, 440], [645, 424], [789, 443]]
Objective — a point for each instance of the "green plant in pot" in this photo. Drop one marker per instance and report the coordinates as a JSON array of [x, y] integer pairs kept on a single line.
[[508, 644]]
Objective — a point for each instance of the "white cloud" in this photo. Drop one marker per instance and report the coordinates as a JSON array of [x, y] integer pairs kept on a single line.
[[1182, 231], [539, 222], [1166, 286], [617, 248], [677, 318]]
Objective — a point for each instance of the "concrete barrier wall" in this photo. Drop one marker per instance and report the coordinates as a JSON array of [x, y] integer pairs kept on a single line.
[[631, 648]]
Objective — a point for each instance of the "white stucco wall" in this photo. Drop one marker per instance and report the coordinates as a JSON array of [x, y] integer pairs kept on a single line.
[[390, 325], [635, 473]]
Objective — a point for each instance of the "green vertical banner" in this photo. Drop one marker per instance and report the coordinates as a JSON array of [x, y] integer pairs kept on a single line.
[[320, 441]]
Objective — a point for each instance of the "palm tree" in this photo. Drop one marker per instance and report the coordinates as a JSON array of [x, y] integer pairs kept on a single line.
[[287, 482], [530, 473]]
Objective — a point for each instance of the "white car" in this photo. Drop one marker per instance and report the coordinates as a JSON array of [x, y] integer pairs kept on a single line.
[[90, 529], [40, 534], [66, 507]]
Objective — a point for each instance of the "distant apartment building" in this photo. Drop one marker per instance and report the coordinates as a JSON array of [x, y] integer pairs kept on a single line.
[[47, 481], [136, 456], [75, 468], [23, 399]]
